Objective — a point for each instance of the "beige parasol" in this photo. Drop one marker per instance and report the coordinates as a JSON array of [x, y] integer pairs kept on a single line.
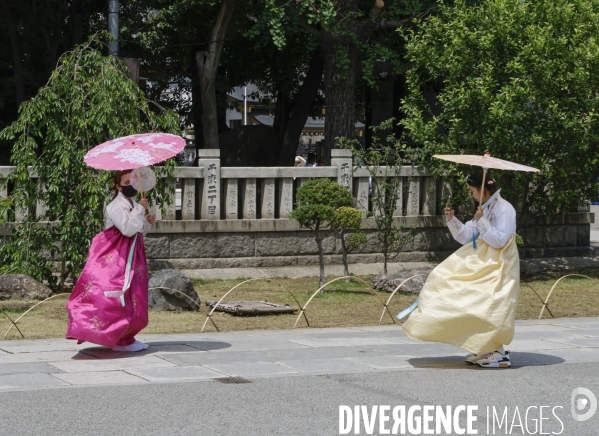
[[485, 161]]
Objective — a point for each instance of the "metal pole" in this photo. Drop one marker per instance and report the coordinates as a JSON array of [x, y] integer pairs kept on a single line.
[[245, 105], [113, 26]]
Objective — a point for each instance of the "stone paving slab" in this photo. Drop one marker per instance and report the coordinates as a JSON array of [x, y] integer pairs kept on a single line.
[[418, 349], [45, 356], [576, 355], [117, 364], [27, 368], [578, 342], [377, 328], [342, 342], [29, 380], [323, 366], [321, 353], [176, 374], [99, 378], [256, 345], [574, 322], [43, 364], [155, 348], [545, 328], [392, 335], [537, 344], [207, 358], [550, 335], [251, 370], [39, 346], [393, 361]]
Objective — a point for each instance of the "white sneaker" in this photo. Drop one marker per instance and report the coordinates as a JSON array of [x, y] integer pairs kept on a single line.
[[496, 360], [144, 345], [473, 358], [135, 346]]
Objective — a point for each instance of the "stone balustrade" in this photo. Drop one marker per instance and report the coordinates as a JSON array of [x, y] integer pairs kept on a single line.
[[239, 217], [209, 192]]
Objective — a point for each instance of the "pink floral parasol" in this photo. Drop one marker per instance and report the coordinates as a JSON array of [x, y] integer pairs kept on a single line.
[[134, 151]]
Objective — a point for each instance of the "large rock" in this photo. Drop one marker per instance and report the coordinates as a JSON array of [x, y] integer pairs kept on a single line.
[[388, 282], [22, 286], [164, 298]]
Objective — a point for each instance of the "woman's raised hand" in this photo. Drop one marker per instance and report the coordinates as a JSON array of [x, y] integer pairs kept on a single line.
[[479, 213], [143, 203], [449, 212], [151, 218]]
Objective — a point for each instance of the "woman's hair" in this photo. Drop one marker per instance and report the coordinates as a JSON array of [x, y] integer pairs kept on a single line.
[[476, 179], [117, 181]]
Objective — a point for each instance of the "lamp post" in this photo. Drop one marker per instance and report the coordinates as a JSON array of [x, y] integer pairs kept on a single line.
[[245, 105], [113, 26]]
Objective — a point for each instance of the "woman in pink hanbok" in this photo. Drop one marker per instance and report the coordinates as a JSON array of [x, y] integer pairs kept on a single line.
[[109, 304]]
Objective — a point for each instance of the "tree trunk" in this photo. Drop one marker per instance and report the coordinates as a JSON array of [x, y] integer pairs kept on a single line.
[[300, 110], [78, 11], [207, 63], [17, 55], [339, 90], [344, 250], [321, 261]]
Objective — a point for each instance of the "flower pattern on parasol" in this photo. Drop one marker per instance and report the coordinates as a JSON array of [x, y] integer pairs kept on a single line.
[[134, 151]]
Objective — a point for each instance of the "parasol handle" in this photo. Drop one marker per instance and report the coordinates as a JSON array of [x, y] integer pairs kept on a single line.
[[482, 188], [141, 185]]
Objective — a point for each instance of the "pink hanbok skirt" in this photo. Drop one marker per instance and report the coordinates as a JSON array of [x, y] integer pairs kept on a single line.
[[100, 319]]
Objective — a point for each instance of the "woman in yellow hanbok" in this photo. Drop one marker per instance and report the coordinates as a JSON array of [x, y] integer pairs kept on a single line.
[[470, 299]]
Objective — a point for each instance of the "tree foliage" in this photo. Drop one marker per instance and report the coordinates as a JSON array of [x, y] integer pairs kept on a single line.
[[516, 78], [385, 165], [349, 220], [318, 202], [88, 100]]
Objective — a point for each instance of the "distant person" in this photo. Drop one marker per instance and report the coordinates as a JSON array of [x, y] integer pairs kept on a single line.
[[299, 161], [311, 160]]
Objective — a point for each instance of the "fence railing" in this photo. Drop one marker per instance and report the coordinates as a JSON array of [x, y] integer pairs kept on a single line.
[[209, 192]]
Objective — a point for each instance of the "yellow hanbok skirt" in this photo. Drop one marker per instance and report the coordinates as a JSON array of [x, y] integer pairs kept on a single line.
[[470, 299]]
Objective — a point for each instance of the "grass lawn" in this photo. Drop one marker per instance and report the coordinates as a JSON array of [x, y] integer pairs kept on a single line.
[[341, 305]]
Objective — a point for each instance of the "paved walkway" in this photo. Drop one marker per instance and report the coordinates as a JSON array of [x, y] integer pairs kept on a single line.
[[58, 363], [294, 382]]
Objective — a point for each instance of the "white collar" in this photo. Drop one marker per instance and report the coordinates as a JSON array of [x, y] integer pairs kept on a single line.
[[493, 197], [123, 197]]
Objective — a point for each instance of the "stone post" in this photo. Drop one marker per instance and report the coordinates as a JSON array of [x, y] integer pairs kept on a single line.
[[169, 209], [414, 196], [362, 190], [268, 198], [3, 190], [342, 159], [398, 211], [285, 197], [232, 199], [430, 196], [188, 199], [380, 194], [249, 199], [210, 160]]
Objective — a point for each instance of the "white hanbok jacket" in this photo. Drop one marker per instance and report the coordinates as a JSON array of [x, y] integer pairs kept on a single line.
[[495, 227], [127, 216]]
